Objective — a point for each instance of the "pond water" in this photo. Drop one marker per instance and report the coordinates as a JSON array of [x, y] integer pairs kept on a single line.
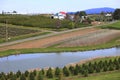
[[25, 62]]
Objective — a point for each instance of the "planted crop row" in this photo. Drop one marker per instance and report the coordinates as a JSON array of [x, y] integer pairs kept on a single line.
[[12, 32], [37, 21]]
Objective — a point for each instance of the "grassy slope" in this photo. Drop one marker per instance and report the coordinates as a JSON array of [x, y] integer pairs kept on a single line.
[[103, 76], [112, 26], [110, 75]]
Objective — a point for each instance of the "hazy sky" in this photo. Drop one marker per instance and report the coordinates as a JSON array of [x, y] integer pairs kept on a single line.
[[52, 6]]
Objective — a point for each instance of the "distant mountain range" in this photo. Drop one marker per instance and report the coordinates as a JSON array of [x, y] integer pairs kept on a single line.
[[99, 10], [96, 10]]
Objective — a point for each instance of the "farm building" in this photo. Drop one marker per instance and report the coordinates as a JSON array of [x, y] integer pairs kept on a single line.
[[60, 15]]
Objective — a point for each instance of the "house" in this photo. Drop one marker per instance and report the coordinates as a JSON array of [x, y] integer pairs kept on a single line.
[[60, 15]]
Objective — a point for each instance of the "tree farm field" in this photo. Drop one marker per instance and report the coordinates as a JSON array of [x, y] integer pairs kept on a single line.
[[17, 33]]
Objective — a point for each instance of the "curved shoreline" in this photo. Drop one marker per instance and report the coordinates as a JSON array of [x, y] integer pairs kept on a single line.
[[74, 64], [58, 50]]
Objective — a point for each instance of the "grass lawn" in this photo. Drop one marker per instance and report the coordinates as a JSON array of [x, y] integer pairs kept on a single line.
[[102, 76], [112, 26]]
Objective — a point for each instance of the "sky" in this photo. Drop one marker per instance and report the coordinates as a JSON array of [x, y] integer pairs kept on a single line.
[[53, 6]]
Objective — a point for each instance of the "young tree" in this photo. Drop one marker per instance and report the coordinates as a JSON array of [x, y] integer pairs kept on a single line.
[[105, 68], [57, 72], [85, 73], [34, 72], [76, 70], [71, 69], [40, 76], [2, 78], [18, 74], [98, 69], [66, 71], [26, 73], [111, 68], [31, 76], [22, 77], [43, 72], [60, 77], [49, 73], [90, 69], [13, 78]]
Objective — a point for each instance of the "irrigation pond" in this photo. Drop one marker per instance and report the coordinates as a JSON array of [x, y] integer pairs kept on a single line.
[[25, 62]]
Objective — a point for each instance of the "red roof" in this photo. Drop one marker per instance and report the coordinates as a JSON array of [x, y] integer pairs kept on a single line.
[[63, 12]]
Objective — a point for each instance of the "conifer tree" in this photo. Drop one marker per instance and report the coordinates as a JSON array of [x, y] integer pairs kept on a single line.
[[22, 77], [66, 71], [26, 73], [31, 76], [57, 72], [40, 76], [18, 74], [71, 69], [49, 73]]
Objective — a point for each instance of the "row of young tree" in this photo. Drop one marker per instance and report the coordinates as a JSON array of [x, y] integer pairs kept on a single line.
[[58, 73]]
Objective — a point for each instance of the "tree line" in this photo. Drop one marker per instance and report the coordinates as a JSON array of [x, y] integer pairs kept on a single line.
[[59, 73]]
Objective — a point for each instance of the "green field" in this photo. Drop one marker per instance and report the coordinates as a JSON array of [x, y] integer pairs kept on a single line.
[[37, 21], [112, 26], [102, 76], [18, 32]]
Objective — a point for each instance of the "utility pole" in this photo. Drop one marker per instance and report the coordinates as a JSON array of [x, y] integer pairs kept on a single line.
[[6, 31]]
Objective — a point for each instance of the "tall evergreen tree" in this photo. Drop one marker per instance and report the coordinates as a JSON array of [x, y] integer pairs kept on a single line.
[[116, 14]]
